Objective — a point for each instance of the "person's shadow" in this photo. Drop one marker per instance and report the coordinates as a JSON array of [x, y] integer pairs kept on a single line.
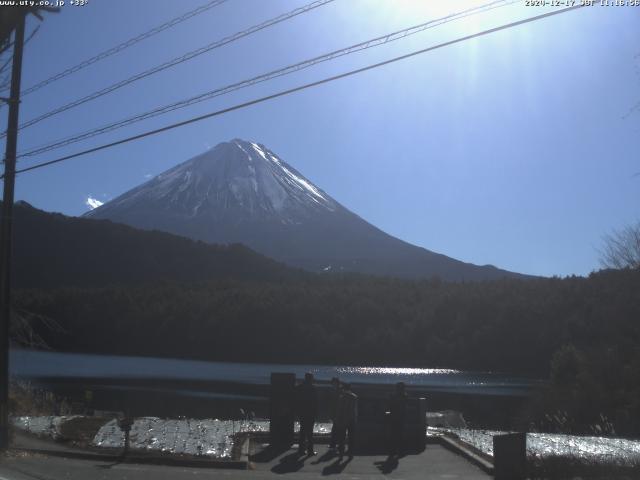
[[389, 465], [270, 453], [290, 463], [337, 467], [328, 455]]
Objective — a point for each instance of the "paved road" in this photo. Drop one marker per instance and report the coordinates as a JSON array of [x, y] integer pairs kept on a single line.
[[435, 463]]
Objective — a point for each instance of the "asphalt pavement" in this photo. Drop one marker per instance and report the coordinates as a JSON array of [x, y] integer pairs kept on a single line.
[[435, 462]]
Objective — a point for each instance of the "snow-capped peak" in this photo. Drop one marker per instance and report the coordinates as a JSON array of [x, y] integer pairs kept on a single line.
[[244, 177]]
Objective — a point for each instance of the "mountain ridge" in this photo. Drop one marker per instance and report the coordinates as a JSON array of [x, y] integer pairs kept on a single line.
[[52, 250], [242, 192]]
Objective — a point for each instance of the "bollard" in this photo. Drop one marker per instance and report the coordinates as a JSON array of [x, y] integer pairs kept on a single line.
[[282, 408], [510, 456]]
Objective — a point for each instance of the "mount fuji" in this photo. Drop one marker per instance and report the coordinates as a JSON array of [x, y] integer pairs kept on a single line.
[[241, 192]]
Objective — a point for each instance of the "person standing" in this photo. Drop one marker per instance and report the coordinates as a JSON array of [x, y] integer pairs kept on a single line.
[[333, 410], [346, 417], [307, 406], [398, 413]]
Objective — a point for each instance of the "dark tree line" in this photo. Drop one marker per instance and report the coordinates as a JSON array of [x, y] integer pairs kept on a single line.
[[583, 332]]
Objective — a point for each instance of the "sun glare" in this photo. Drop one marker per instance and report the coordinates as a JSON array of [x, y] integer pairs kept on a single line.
[[418, 11]]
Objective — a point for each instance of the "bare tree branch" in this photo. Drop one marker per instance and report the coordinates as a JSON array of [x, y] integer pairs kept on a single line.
[[622, 248]]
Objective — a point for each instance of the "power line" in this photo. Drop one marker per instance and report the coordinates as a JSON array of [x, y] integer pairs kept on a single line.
[[267, 76], [297, 89], [124, 45], [178, 60]]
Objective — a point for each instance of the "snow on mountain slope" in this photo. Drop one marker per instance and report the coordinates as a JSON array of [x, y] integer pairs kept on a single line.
[[234, 175], [241, 192]]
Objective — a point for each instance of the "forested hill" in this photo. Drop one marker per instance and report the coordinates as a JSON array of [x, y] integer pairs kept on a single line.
[[54, 250], [507, 325]]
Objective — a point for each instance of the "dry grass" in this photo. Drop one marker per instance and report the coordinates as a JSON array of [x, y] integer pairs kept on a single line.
[[566, 467], [25, 399]]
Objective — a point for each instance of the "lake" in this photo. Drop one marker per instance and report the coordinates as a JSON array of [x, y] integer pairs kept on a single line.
[[30, 364]]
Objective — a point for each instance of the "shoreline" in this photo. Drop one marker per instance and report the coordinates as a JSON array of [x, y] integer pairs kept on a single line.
[[170, 398]]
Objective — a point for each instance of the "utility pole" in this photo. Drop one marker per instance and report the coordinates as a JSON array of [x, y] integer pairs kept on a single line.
[[6, 230]]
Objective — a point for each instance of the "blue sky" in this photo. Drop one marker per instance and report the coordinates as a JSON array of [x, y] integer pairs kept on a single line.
[[516, 149]]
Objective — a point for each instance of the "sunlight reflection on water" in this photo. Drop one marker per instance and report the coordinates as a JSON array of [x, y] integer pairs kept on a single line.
[[395, 371]]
